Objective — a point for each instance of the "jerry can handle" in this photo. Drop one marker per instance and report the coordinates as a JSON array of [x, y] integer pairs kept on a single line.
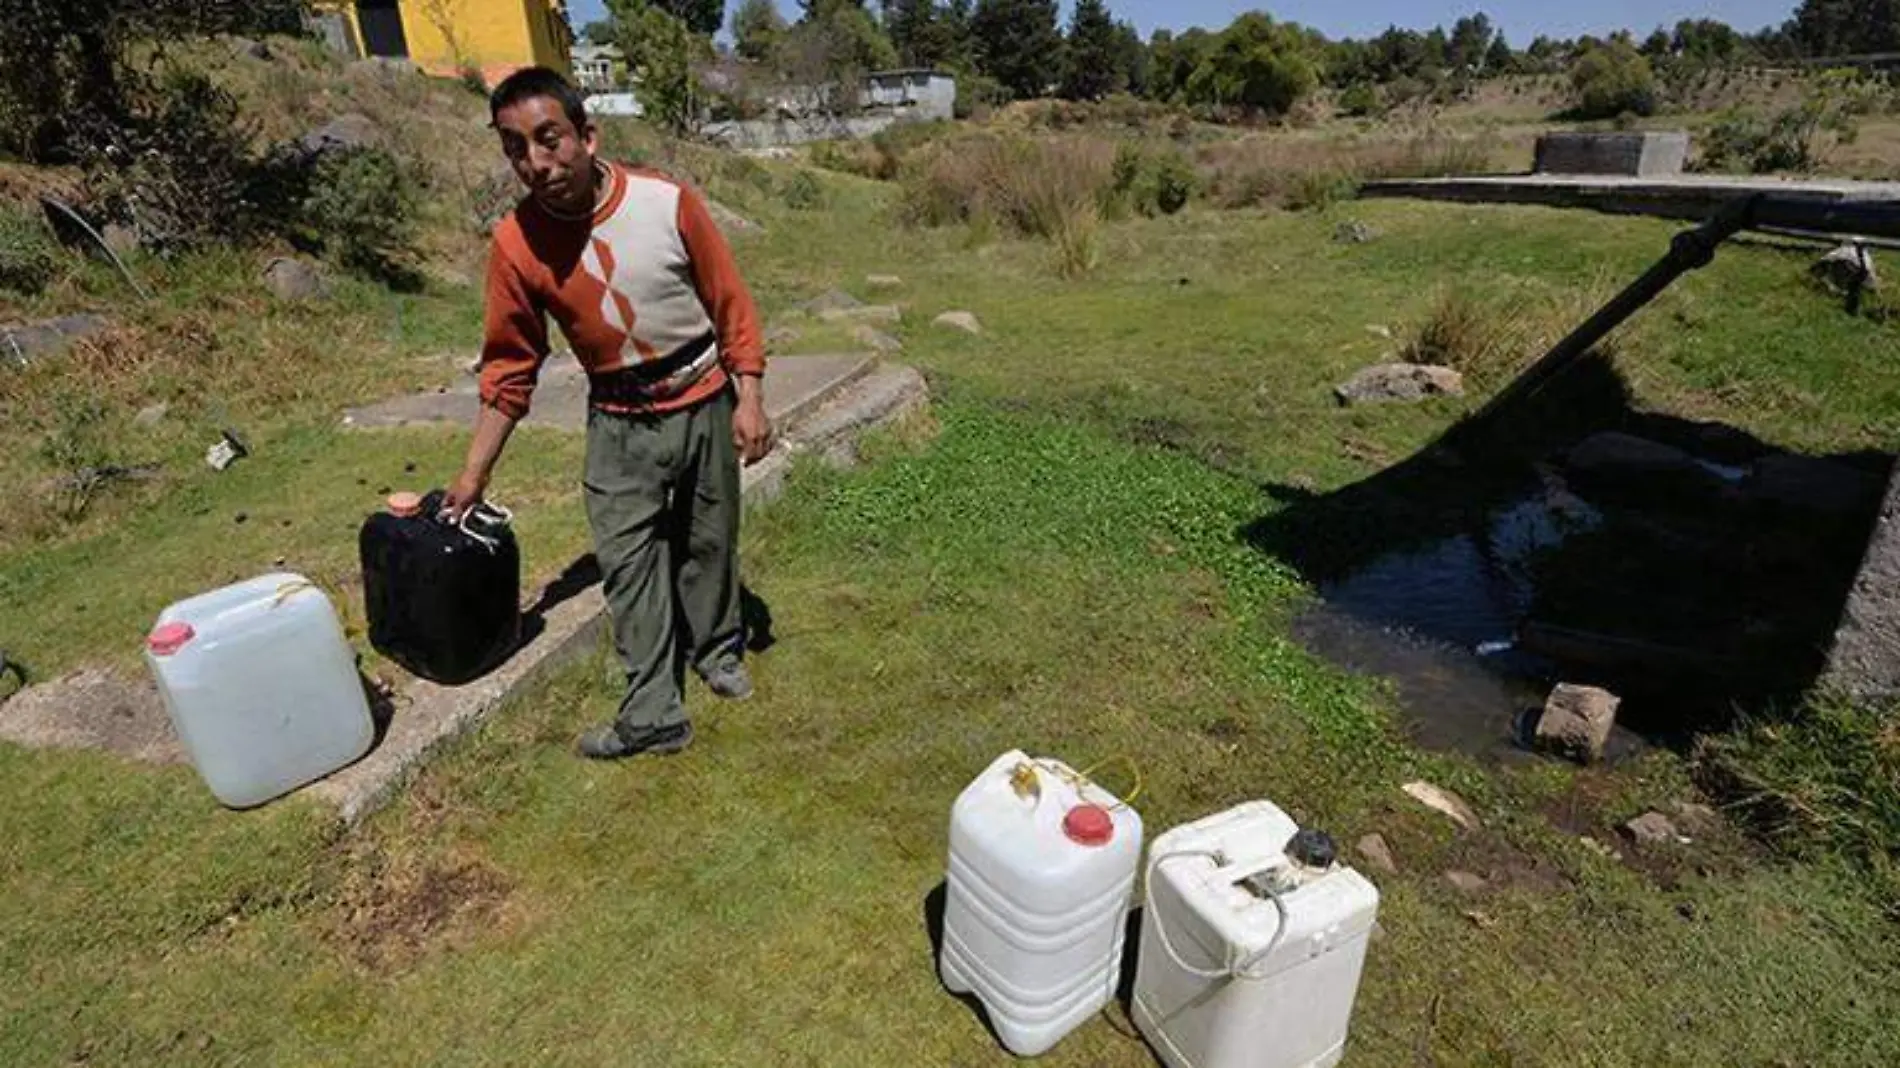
[[491, 516]]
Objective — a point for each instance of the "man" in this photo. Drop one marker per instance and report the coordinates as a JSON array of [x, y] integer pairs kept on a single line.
[[632, 267]]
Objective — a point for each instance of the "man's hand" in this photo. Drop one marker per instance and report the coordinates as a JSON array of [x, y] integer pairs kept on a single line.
[[464, 494], [751, 429]]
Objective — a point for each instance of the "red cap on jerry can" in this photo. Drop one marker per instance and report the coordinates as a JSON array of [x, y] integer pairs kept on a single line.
[[1089, 825], [170, 638]]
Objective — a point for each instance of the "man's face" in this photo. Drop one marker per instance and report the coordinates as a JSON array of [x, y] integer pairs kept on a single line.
[[553, 159]]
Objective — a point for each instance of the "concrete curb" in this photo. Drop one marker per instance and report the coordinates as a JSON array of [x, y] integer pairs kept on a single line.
[[428, 717]]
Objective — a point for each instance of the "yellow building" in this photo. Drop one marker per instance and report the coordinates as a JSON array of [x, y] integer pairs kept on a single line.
[[447, 37]]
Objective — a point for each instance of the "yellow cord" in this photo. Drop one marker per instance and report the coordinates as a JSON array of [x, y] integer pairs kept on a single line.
[[1081, 779], [290, 589]]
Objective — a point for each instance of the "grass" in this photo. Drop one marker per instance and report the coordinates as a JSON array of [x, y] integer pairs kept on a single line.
[[1061, 570]]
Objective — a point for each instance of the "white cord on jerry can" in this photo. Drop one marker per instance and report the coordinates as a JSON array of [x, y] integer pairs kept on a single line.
[[1235, 969]]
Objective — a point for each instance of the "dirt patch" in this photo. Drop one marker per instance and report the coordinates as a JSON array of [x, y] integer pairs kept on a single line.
[[393, 912], [1502, 865], [93, 709], [1710, 846]]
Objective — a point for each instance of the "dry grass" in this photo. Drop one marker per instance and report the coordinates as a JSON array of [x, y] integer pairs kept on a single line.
[[1050, 188], [1301, 172], [1489, 338]]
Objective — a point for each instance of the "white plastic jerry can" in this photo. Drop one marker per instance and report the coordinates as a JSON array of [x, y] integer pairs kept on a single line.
[[1252, 944], [1042, 872], [262, 687]]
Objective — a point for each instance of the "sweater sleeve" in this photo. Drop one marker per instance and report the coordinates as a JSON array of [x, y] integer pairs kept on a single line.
[[514, 338], [716, 277]]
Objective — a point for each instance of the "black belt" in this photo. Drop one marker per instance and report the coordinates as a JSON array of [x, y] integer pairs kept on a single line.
[[634, 384]]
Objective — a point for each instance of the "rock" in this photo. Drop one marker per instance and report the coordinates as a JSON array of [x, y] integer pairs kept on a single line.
[[1444, 802], [245, 46], [1354, 232], [831, 300], [1807, 484], [151, 415], [781, 335], [294, 280], [1696, 818], [876, 340], [1379, 331], [347, 131], [23, 342], [1378, 854], [884, 314], [1576, 722], [961, 320], [883, 281], [1847, 270], [1400, 382], [731, 223], [119, 238], [1651, 829], [1616, 455], [93, 709], [1466, 882]]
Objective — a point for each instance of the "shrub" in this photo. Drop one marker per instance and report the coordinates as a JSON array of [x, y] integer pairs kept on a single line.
[[28, 256], [804, 192], [1055, 189], [362, 208], [849, 157], [1150, 181], [1613, 79], [1361, 99], [1825, 781], [977, 95]]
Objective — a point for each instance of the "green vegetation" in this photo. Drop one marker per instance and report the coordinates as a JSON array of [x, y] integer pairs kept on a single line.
[[28, 256], [1613, 80]]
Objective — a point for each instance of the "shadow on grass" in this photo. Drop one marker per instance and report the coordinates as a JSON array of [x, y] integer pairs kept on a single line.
[[1707, 586]]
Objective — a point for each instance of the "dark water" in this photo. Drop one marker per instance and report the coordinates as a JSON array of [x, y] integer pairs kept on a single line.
[[1439, 622]]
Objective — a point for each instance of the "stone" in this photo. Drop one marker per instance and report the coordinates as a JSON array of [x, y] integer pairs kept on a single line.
[[294, 280], [1651, 154], [1378, 854], [731, 223], [93, 709], [831, 300], [151, 415], [1652, 829], [1466, 883], [1696, 818], [960, 320], [881, 314], [245, 46], [24, 342], [1443, 802], [1614, 454], [1400, 382], [1379, 331], [1354, 232], [883, 281], [1864, 661], [1847, 270], [1807, 484], [120, 239], [876, 340], [350, 130], [1576, 722]]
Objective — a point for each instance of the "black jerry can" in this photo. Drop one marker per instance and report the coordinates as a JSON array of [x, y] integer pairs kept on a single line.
[[443, 600]]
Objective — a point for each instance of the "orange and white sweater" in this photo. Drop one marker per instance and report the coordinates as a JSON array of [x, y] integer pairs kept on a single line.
[[645, 291]]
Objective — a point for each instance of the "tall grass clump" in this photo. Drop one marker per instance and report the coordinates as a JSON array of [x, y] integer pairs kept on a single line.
[[1055, 189], [1305, 173], [28, 256]]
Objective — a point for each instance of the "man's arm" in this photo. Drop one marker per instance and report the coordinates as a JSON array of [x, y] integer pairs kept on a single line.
[[736, 320], [515, 344]]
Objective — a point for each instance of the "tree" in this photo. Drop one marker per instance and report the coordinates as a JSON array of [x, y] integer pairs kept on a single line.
[[757, 30], [1658, 46], [598, 32], [1091, 68], [1259, 65], [1018, 44], [1847, 27], [923, 33], [663, 52], [1613, 79], [1500, 59], [1132, 61], [831, 50], [1470, 40], [1175, 59], [700, 16]]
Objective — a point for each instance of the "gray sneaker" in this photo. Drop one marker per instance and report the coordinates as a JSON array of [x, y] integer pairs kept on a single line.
[[731, 681], [609, 742]]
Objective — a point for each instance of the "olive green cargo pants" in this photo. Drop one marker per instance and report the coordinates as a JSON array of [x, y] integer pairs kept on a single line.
[[662, 497]]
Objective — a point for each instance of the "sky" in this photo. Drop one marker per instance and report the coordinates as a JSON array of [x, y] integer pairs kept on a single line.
[[1521, 20]]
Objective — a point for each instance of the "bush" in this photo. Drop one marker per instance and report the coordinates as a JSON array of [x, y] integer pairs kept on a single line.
[[1150, 181], [1361, 99], [28, 256], [1055, 189], [362, 208], [804, 192], [977, 95], [1825, 781], [1611, 80]]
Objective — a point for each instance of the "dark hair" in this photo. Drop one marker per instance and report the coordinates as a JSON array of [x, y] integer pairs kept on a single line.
[[530, 82]]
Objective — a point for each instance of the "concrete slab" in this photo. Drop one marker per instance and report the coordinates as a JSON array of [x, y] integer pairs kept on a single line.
[[1864, 662], [1648, 154], [793, 385], [1688, 197], [821, 416]]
